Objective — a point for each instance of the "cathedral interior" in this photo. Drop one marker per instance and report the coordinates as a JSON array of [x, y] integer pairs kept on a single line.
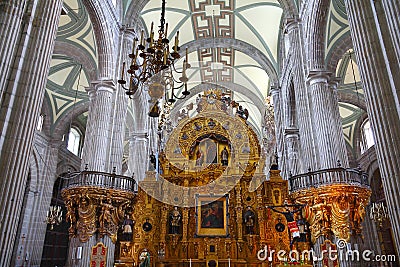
[[186, 133]]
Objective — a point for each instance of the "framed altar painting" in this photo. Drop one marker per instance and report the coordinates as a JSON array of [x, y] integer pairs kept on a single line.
[[212, 215]]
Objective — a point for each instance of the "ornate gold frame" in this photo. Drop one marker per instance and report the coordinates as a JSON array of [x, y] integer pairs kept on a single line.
[[203, 206]]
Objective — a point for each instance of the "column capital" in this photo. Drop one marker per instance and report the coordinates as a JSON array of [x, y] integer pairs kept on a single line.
[[275, 89], [334, 82], [290, 24], [291, 132], [318, 76], [104, 85], [138, 136]]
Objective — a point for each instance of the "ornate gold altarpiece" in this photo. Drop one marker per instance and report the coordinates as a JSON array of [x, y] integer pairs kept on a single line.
[[190, 177], [212, 177]]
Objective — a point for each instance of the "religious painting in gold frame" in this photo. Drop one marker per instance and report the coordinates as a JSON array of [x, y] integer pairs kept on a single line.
[[212, 215]]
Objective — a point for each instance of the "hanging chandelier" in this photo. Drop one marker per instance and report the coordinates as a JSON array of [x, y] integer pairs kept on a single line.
[[153, 66], [54, 216]]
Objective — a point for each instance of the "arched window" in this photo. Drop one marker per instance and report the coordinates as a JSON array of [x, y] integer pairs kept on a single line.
[[74, 138], [367, 137]]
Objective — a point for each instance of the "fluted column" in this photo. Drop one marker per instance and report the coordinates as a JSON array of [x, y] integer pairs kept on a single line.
[[100, 120], [21, 102], [392, 14], [11, 17], [380, 101], [138, 155], [325, 114], [138, 142], [306, 131], [292, 149], [277, 100], [121, 106]]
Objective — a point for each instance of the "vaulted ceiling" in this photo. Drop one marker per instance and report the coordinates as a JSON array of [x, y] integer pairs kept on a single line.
[[234, 32]]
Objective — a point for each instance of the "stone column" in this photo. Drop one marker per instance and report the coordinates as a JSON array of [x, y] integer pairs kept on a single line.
[[121, 106], [100, 121], [303, 111], [96, 154], [138, 155], [277, 100], [32, 231], [22, 96], [292, 150], [325, 117], [381, 103], [138, 143], [11, 17], [392, 14]]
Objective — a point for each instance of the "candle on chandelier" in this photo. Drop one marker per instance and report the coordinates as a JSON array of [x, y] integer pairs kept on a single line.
[[176, 42], [141, 38], [166, 31], [190, 262], [122, 71]]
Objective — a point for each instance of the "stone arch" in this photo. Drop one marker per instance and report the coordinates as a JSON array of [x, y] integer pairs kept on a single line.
[[106, 36], [78, 55], [238, 45], [66, 118], [338, 51], [316, 15], [289, 8]]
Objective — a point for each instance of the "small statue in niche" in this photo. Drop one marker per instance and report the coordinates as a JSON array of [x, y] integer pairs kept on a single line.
[[127, 226], [144, 259], [224, 157], [249, 221], [175, 220]]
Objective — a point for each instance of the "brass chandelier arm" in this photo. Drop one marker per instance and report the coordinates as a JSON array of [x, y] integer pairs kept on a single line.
[[156, 57]]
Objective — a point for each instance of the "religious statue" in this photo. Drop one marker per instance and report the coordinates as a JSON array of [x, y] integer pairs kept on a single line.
[[224, 157], [175, 220], [249, 220], [105, 217], [144, 259], [127, 232], [289, 213]]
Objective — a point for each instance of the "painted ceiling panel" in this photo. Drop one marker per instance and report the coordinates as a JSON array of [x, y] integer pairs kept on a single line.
[[75, 28], [242, 3], [238, 19], [268, 36], [65, 86], [337, 26]]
